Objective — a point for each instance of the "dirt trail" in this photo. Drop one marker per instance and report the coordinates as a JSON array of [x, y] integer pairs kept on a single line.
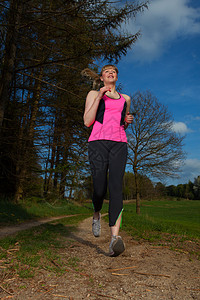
[[143, 271], [9, 230]]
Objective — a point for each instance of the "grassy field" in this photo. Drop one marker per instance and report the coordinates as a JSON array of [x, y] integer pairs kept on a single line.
[[169, 223], [34, 208], [38, 248], [29, 251], [173, 217], [174, 224]]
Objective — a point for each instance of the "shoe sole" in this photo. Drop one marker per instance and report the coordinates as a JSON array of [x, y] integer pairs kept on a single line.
[[118, 248], [95, 235]]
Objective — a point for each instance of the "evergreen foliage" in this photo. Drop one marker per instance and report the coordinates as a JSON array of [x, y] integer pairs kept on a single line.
[[44, 46]]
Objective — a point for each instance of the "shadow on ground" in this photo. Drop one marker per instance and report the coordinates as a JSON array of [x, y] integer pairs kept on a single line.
[[88, 243]]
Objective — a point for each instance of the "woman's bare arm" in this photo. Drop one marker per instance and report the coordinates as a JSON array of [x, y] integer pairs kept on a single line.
[[128, 117], [91, 105]]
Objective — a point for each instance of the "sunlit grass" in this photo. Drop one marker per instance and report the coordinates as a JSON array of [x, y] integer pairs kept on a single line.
[[38, 248], [174, 217], [11, 213]]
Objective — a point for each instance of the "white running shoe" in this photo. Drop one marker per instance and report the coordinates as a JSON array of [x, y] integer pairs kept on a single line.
[[96, 226]]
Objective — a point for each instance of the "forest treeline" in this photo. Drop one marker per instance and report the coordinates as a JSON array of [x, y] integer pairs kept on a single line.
[[148, 190], [44, 46]]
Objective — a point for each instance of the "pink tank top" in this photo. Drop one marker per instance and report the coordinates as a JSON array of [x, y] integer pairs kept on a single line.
[[109, 122]]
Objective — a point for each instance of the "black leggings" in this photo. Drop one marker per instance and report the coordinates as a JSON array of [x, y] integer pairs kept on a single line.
[[104, 155]]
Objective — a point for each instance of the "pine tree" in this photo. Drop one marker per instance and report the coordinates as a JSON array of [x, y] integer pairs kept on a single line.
[[45, 47]]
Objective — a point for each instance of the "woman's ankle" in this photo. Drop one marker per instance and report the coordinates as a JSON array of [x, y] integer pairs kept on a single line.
[[96, 215]]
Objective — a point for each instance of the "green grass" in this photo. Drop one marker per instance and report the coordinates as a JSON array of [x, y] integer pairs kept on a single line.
[[172, 223], [173, 217], [34, 208], [39, 248]]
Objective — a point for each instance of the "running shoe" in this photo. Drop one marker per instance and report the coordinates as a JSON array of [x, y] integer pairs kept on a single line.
[[96, 226], [116, 246]]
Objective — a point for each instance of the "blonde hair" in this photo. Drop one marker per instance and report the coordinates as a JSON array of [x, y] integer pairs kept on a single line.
[[94, 77], [109, 67]]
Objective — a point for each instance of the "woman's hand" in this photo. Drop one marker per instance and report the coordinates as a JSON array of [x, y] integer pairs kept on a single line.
[[103, 90], [129, 118]]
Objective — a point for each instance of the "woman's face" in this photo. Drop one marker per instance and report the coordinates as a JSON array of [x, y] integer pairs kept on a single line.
[[109, 75]]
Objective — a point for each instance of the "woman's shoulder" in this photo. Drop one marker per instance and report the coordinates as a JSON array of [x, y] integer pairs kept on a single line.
[[93, 92], [92, 95], [126, 97]]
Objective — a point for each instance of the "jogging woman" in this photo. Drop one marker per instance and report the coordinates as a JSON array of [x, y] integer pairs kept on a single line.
[[108, 111]]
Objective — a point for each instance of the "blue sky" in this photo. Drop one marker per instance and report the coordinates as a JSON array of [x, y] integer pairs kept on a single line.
[[166, 61]]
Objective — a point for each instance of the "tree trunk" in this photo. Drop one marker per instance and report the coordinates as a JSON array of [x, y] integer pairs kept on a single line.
[[65, 159], [64, 171], [137, 193], [55, 181], [27, 155], [45, 187], [14, 18]]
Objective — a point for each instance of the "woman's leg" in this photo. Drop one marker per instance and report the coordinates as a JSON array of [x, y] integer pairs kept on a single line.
[[98, 157], [117, 164], [115, 229]]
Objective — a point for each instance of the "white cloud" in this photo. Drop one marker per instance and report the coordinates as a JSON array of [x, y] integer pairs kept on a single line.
[[193, 163], [164, 21], [196, 118], [192, 119], [190, 170], [180, 127]]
